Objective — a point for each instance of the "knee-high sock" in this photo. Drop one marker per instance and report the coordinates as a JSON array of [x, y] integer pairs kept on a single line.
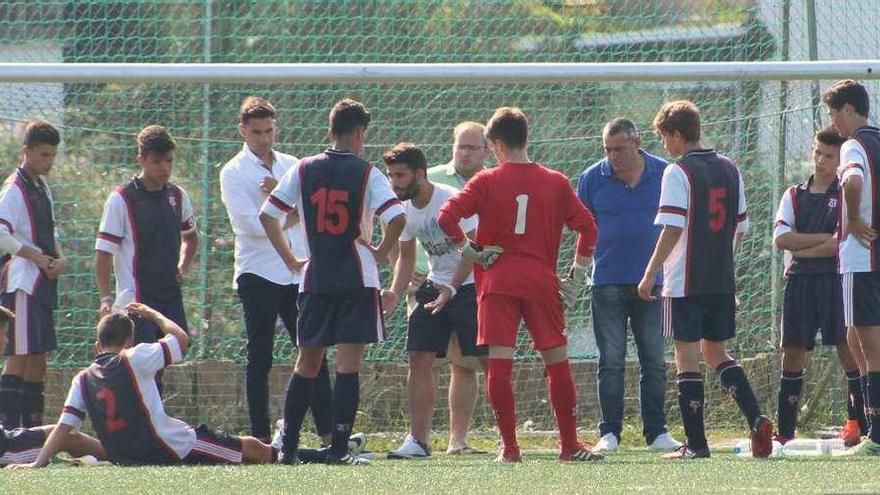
[[563, 397], [346, 395], [322, 402], [500, 391], [691, 399], [873, 405], [296, 403], [32, 399], [790, 387], [10, 401], [855, 400], [734, 380]]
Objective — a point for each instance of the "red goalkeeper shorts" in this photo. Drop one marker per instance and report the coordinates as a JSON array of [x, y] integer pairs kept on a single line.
[[499, 316]]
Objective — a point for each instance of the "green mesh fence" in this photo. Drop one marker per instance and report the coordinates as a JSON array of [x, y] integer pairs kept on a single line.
[[765, 126]]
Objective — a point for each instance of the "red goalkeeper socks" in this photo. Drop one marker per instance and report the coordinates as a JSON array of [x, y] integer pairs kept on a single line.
[[563, 397], [500, 390]]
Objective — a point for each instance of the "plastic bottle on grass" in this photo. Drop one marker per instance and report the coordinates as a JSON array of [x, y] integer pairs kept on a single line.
[[813, 446], [743, 448]]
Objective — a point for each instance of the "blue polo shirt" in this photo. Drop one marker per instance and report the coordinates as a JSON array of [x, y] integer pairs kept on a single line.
[[625, 218]]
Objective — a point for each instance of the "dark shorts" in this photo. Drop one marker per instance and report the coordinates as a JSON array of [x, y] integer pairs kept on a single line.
[[431, 333], [214, 447], [146, 331], [861, 299], [33, 331], [705, 316], [22, 445], [351, 317], [812, 302]]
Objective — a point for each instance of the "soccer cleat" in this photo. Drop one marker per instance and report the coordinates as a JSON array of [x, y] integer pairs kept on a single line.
[[686, 452], [580, 454], [762, 437], [347, 460], [851, 434], [411, 449], [607, 444], [781, 439], [665, 442], [357, 443], [510, 454]]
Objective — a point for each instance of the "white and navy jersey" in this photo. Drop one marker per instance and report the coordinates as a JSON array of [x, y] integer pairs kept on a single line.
[[421, 224], [808, 213], [241, 194], [703, 194], [27, 216], [119, 393], [860, 157], [336, 194], [142, 230]]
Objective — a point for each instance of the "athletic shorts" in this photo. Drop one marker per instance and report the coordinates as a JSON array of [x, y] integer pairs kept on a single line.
[[147, 331], [705, 316], [812, 302], [22, 445], [350, 317], [214, 447], [431, 333], [33, 331], [499, 316], [861, 299]]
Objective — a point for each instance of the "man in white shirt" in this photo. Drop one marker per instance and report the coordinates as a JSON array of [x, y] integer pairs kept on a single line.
[[446, 300], [267, 290]]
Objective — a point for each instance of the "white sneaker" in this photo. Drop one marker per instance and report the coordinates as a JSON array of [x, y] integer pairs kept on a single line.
[[607, 444], [664, 442], [276, 437], [411, 449], [357, 443]]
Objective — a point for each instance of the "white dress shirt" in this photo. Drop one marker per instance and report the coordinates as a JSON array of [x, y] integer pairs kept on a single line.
[[241, 193]]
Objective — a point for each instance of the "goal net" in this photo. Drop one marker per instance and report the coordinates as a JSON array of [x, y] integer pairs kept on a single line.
[[765, 125]]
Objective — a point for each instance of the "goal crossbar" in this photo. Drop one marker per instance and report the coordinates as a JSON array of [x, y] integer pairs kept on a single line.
[[441, 73]]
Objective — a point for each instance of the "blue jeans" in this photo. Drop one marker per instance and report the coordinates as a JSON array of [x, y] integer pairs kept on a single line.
[[613, 306]]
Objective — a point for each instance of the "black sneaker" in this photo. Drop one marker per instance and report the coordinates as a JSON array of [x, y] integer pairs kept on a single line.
[[290, 459], [686, 452], [347, 460]]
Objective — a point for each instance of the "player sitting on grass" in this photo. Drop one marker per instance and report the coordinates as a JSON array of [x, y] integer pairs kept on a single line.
[[118, 390], [22, 445]]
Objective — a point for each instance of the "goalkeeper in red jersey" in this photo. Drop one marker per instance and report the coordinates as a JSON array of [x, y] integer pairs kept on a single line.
[[522, 206]]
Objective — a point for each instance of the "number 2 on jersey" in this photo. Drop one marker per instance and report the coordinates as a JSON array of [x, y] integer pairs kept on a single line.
[[332, 206], [717, 208], [112, 423], [522, 203]]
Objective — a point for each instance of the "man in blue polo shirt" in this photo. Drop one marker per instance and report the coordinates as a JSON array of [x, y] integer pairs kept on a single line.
[[622, 191]]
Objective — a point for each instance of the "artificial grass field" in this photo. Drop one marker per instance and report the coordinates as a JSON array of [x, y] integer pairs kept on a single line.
[[628, 471]]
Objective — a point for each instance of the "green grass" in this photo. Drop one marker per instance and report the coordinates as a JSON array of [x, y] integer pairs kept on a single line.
[[626, 472]]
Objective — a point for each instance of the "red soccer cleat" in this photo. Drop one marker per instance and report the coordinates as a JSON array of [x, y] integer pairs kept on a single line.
[[762, 437], [851, 433]]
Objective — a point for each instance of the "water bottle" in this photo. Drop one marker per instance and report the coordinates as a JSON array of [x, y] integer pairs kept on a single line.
[[812, 446], [743, 448]]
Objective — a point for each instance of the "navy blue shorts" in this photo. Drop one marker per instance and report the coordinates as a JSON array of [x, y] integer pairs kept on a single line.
[[350, 317], [33, 331], [22, 445], [214, 447], [861, 299], [705, 316], [146, 331], [813, 302], [431, 333]]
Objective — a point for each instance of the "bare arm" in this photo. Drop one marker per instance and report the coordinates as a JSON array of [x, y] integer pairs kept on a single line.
[[279, 242], [795, 241], [103, 269], [390, 236], [827, 249], [852, 197], [52, 446], [668, 239], [189, 247]]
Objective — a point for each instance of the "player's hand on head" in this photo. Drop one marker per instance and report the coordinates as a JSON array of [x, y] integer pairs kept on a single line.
[[267, 184], [389, 302], [140, 310]]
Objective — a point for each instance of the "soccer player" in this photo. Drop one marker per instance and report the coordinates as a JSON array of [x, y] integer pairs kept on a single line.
[[336, 194], [703, 214], [119, 393], [30, 278], [848, 105], [148, 236], [522, 207], [446, 302], [266, 292], [806, 224]]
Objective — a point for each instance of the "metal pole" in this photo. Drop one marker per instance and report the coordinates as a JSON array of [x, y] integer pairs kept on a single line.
[[205, 192], [813, 44]]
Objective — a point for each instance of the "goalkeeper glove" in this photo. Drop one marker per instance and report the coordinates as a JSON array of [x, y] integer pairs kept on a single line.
[[572, 286], [485, 256]]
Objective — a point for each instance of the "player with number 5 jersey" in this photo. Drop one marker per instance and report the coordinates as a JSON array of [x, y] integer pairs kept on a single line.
[[522, 206]]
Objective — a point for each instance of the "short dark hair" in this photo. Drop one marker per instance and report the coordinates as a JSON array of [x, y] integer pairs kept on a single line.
[[619, 125], [830, 137], [254, 107], [848, 91], [38, 132], [115, 329], [155, 139], [407, 153], [510, 126], [680, 116], [6, 315], [347, 116]]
